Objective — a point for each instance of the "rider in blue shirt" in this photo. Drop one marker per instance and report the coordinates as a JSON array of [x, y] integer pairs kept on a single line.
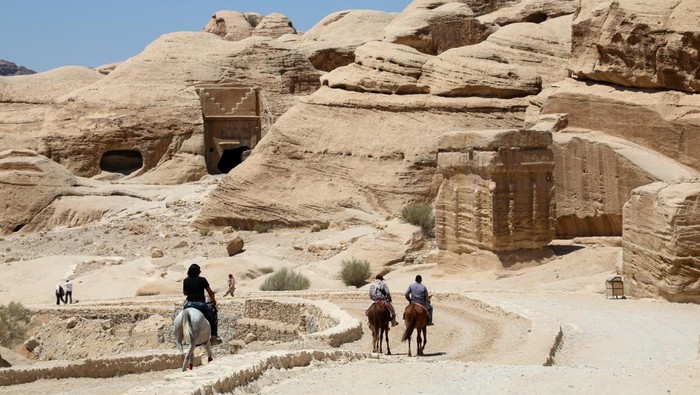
[[418, 293]]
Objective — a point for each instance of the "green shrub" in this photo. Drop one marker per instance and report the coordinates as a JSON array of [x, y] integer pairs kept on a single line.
[[420, 214], [355, 272], [205, 232], [262, 227], [324, 225], [285, 280], [14, 320]]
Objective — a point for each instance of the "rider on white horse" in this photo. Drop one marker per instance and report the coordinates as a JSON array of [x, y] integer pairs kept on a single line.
[[193, 287], [380, 291]]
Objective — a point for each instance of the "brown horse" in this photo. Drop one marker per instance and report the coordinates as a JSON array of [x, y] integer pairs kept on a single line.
[[378, 315], [416, 317]]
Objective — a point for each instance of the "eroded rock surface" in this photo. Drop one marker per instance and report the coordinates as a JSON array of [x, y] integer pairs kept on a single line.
[[661, 241], [497, 193], [28, 183], [638, 43]]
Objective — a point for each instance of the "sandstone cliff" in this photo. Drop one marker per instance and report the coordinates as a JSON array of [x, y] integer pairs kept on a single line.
[[661, 241]]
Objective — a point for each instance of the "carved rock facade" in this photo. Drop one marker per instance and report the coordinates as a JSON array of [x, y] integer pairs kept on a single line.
[[497, 193]]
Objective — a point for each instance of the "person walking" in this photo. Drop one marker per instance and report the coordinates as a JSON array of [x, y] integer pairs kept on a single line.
[[231, 285], [59, 293], [69, 292], [418, 293]]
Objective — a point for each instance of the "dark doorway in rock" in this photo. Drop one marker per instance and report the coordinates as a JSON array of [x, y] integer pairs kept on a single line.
[[121, 161], [231, 158]]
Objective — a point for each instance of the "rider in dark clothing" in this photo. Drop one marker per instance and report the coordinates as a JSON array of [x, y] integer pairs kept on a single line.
[[193, 287]]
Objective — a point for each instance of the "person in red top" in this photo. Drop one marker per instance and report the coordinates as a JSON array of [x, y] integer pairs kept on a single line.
[[193, 287]]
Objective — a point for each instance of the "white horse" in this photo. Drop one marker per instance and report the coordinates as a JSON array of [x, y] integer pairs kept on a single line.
[[191, 325]]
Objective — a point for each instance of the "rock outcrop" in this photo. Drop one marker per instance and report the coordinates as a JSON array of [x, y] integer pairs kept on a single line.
[[477, 71], [638, 43], [331, 43], [661, 241], [46, 87], [497, 191], [28, 183], [433, 26], [663, 121], [338, 149], [610, 141], [381, 67], [535, 11], [9, 68], [232, 25], [148, 107]]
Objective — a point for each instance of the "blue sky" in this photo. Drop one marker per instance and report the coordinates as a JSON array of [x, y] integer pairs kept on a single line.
[[45, 34]]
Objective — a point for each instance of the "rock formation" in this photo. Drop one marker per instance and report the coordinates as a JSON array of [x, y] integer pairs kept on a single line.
[[147, 111], [646, 44], [615, 140], [337, 150], [433, 27], [331, 43], [497, 191], [661, 241], [9, 68], [28, 183]]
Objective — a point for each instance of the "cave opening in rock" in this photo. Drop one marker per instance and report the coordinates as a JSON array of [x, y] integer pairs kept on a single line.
[[231, 158], [121, 161]]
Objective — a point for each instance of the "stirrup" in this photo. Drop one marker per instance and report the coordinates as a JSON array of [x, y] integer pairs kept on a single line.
[[394, 323]]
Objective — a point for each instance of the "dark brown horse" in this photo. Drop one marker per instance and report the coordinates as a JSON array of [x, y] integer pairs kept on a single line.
[[416, 317], [378, 315]]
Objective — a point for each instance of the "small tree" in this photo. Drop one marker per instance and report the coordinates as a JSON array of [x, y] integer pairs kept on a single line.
[[285, 280], [355, 272], [420, 214], [14, 320]]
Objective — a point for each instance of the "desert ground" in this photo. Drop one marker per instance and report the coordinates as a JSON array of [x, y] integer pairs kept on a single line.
[[542, 325]]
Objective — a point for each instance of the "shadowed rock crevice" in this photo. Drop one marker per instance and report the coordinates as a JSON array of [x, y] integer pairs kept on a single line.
[[121, 161]]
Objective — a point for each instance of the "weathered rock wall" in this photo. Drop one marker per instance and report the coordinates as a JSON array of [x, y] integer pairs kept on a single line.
[[638, 43], [666, 122], [661, 241], [340, 149]]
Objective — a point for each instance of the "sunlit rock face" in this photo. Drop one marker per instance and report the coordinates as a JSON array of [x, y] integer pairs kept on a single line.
[[661, 241], [497, 192], [638, 43]]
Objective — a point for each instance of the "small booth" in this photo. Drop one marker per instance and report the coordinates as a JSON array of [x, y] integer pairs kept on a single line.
[[614, 287]]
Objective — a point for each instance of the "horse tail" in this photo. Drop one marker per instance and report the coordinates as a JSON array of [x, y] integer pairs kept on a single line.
[[187, 326], [410, 318]]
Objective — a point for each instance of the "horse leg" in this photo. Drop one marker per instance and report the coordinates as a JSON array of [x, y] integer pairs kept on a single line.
[[419, 342], [207, 346], [425, 338], [381, 340], [409, 346], [386, 334]]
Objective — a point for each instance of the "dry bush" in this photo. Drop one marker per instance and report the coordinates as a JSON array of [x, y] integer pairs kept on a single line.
[[285, 280], [14, 320], [262, 227], [420, 214], [355, 272]]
